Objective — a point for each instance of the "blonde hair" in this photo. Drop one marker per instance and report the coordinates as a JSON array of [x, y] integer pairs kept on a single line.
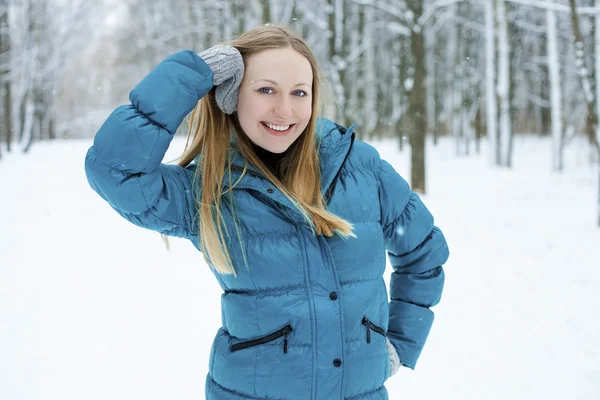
[[208, 136]]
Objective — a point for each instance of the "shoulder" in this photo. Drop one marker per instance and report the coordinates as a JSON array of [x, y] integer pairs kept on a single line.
[[331, 135], [334, 137], [366, 154]]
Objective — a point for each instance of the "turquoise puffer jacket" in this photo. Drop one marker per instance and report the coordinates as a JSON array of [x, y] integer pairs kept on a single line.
[[310, 317]]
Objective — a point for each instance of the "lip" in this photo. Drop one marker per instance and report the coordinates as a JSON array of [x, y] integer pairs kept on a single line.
[[277, 133]]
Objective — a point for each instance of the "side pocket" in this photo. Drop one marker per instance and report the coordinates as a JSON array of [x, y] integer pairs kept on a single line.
[[283, 332], [372, 327]]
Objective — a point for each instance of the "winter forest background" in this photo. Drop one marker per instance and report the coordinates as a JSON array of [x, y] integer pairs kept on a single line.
[[469, 69]]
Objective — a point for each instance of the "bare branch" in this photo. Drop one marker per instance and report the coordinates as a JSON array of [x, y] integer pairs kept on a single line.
[[430, 11], [396, 12], [556, 7]]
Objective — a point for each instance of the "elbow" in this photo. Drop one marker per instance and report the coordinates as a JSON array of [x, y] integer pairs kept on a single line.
[[423, 289]]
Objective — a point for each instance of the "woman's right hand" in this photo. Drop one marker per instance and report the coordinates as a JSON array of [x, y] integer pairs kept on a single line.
[[227, 66]]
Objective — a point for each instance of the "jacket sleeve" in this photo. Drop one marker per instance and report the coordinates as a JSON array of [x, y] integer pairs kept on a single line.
[[124, 164], [416, 250]]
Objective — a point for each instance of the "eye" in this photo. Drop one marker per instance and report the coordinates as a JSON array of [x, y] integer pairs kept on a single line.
[[301, 93], [265, 90]]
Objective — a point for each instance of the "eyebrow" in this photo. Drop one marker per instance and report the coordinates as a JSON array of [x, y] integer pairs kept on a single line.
[[275, 83]]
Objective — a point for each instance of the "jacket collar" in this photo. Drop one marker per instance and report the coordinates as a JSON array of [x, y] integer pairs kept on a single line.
[[334, 141]]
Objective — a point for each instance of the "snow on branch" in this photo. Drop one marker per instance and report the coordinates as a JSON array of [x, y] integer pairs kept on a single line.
[[556, 7], [394, 27], [310, 16], [430, 11], [396, 12], [583, 72]]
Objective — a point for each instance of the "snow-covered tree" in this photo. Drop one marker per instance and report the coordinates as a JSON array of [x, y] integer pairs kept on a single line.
[[6, 127], [490, 82], [587, 86], [503, 87], [555, 90]]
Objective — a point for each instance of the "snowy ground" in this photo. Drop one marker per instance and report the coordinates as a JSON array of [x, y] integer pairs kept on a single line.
[[92, 307]]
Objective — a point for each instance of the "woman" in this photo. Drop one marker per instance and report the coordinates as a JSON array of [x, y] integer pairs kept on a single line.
[[292, 214]]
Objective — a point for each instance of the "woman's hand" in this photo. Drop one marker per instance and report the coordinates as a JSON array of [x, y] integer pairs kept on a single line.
[[394, 360], [227, 66]]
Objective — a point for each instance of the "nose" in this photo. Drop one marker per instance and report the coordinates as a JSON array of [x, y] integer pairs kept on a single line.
[[283, 108]]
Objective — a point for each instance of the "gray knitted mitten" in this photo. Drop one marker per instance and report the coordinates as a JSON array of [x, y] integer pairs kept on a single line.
[[227, 66], [394, 359]]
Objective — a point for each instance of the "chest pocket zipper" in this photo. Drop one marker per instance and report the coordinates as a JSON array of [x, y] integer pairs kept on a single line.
[[285, 331], [372, 327]]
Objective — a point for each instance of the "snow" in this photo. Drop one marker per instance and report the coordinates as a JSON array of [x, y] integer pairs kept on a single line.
[[408, 84], [92, 307]]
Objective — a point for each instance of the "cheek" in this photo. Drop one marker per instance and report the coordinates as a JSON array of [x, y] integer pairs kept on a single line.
[[304, 112], [250, 107]]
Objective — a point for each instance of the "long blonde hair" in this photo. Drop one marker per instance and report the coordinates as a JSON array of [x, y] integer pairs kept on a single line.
[[208, 136]]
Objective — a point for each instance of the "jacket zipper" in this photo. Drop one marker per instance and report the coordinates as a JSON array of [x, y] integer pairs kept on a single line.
[[370, 326], [285, 331]]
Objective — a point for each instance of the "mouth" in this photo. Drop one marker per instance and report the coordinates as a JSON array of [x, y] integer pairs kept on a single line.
[[277, 130]]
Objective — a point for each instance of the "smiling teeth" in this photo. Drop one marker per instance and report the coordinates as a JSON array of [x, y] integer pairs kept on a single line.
[[278, 128]]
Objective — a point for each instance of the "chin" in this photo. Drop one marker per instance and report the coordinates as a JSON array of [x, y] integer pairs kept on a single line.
[[277, 149]]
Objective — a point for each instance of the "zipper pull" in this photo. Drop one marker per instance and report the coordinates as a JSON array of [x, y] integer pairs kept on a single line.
[[366, 323]]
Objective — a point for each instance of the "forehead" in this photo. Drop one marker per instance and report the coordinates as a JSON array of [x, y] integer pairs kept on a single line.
[[285, 66]]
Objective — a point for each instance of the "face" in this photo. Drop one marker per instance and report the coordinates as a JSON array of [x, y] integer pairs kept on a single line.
[[275, 100]]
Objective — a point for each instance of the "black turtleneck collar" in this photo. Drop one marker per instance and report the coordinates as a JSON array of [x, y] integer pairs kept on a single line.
[[271, 160]]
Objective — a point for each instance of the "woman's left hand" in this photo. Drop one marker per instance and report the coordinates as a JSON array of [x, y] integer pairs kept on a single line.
[[394, 359]]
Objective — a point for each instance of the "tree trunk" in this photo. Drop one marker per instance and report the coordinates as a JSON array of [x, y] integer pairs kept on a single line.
[[398, 98], [266, 11], [457, 86], [504, 85], [452, 59], [27, 112], [6, 127], [491, 107], [555, 91], [597, 78], [436, 69], [592, 121], [333, 73], [370, 89], [430, 40], [7, 118], [584, 78], [339, 50], [539, 78], [417, 109], [478, 127], [355, 102], [23, 114]]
